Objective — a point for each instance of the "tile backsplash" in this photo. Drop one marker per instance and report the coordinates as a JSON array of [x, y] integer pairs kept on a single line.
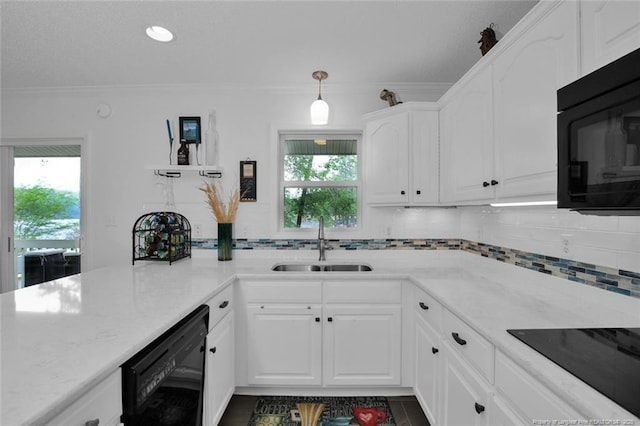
[[626, 282]]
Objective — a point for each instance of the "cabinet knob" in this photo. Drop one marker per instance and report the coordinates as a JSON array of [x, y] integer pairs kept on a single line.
[[458, 340], [494, 182], [435, 350], [479, 408], [317, 319], [213, 350], [418, 192], [224, 304], [485, 184], [423, 306], [402, 192], [330, 319], [95, 422]]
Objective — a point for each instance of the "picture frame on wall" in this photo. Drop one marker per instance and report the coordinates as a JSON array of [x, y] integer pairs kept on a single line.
[[190, 130]]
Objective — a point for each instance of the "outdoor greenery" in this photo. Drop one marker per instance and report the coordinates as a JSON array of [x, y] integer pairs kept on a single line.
[[306, 203], [42, 212]]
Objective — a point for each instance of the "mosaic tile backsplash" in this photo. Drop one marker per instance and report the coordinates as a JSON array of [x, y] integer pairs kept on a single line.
[[616, 280]]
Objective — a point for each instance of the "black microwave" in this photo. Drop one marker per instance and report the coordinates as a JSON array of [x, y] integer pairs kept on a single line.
[[599, 140]]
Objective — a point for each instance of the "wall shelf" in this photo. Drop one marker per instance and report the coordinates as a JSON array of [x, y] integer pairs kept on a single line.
[[176, 171]]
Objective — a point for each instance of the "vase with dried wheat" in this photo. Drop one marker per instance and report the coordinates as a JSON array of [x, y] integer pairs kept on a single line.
[[225, 214]]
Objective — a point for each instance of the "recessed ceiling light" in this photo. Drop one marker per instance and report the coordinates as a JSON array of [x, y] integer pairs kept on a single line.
[[159, 33]]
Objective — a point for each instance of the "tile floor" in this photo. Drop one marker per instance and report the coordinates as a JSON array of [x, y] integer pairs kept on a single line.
[[406, 410]]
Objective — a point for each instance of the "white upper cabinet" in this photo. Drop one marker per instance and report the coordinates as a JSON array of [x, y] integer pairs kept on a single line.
[[401, 155], [609, 30], [526, 77], [466, 132], [498, 123]]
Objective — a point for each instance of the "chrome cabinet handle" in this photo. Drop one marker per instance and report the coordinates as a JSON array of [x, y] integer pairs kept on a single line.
[[479, 408], [423, 306]]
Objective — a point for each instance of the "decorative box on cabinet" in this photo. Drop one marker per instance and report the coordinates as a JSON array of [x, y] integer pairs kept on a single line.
[[401, 155], [608, 31]]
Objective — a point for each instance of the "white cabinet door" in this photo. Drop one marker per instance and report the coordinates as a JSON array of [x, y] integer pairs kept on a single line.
[[527, 76], [362, 345], [424, 156], [609, 30], [465, 395], [501, 414], [466, 131], [284, 344], [103, 403], [428, 368], [387, 159], [219, 370]]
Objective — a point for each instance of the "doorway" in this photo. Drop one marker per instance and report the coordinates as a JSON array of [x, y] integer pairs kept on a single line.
[[42, 210]]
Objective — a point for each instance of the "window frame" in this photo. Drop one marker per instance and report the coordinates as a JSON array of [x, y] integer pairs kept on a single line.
[[282, 184]]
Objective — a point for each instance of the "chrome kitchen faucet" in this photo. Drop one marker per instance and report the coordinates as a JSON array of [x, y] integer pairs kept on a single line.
[[321, 242]]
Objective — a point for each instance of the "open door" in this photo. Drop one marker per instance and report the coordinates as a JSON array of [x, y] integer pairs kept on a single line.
[[41, 211]]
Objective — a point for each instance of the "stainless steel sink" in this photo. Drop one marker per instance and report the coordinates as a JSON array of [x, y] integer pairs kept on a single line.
[[336, 267], [347, 268], [295, 267]]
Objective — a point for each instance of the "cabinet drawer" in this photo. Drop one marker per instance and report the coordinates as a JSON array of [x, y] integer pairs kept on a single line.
[[362, 292], [283, 291], [103, 403], [467, 342], [427, 308], [528, 395], [219, 305]]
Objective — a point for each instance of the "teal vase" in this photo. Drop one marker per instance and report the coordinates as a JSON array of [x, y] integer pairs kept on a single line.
[[225, 241]]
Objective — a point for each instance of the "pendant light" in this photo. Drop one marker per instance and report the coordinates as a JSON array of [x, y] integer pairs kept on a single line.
[[319, 108]]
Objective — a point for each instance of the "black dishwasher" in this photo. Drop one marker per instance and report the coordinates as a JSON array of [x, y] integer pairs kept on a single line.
[[162, 385]]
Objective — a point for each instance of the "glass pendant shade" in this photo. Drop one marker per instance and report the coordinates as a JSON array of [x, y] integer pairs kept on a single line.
[[319, 112]]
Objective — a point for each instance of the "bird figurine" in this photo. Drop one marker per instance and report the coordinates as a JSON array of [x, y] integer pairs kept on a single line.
[[389, 96]]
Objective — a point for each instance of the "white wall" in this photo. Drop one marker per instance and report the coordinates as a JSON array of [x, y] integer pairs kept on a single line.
[[604, 241], [120, 188]]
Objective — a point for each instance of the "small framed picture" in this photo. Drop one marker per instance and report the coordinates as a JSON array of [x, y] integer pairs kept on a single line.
[[190, 130]]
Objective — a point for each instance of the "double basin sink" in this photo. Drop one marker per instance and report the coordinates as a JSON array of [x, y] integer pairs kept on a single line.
[[315, 267]]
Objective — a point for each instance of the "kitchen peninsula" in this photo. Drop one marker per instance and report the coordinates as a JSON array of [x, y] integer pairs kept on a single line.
[[62, 338]]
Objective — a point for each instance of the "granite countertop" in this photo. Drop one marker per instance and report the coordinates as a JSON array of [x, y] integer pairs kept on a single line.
[[61, 338]]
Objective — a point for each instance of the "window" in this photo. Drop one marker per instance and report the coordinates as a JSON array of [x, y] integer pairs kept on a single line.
[[319, 176]]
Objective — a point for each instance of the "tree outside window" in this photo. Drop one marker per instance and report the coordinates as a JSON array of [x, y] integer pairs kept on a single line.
[[320, 178]]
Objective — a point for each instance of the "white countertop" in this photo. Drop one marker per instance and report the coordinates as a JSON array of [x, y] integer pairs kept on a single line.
[[61, 338]]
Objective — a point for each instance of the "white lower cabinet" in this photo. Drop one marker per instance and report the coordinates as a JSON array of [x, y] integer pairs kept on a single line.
[[284, 345], [321, 334], [362, 345], [219, 371], [465, 393], [428, 367], [527, 395], [500, 413], [100, 405]]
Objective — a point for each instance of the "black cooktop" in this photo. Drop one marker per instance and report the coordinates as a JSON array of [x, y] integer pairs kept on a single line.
[[607, 359]]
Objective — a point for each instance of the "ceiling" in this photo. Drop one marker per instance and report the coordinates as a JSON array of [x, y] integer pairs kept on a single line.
[[245, 43]]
